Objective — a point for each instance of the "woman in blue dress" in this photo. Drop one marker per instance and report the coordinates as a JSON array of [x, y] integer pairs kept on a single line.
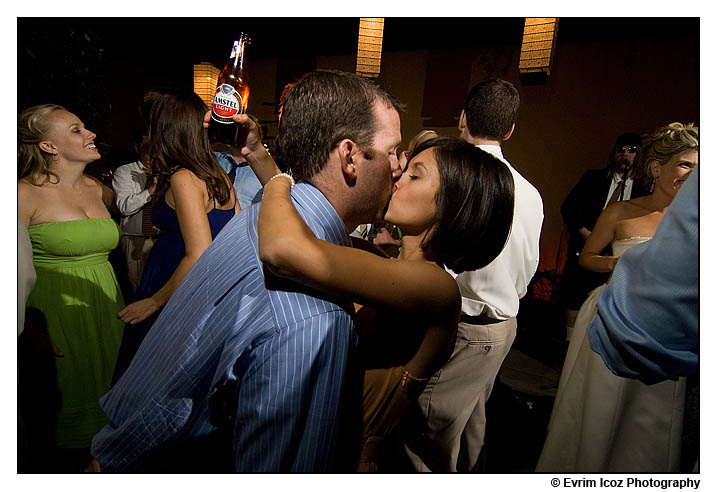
[[192, 200]]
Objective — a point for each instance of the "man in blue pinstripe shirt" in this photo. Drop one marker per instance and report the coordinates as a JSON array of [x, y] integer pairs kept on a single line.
[[239, 353]]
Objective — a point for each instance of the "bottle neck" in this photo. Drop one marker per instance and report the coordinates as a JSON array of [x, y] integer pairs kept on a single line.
[[237, 55]]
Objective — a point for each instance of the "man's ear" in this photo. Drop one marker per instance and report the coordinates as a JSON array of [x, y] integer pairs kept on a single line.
[[509, 133], [462, 121], [348, 151]]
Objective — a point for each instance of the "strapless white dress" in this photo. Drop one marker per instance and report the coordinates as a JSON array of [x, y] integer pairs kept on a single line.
[[605, 423]]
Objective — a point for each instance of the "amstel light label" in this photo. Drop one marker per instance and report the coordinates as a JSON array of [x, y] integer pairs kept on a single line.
[[227, 102]]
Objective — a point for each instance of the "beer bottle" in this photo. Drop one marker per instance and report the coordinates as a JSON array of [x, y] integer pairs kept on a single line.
[[231, 96]]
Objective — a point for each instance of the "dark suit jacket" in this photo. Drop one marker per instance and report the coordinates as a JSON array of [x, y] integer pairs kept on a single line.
[[581, 208], [584, 204]]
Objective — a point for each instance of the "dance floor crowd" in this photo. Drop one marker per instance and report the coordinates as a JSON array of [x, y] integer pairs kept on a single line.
[[343, 303]]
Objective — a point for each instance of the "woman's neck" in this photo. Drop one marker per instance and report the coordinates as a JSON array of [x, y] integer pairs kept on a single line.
[[659, 201], [411, 249], [70, 174]]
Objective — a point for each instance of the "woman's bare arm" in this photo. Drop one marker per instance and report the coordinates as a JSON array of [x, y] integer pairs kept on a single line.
[[262, 164], [189, 196], [289, 249], [26, 202], [108, 197], [237, 207], [601, 236]]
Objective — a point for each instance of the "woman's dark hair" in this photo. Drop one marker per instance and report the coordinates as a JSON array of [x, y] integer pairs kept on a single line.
[[176, 139], [474, 205]]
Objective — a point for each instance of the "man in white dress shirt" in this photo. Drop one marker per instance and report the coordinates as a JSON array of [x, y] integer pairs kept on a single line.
[[132, 198], [451, 432]]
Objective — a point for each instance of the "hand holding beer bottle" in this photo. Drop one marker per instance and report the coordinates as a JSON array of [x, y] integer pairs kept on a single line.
[[227, 121], [250, 148], [231, 96]]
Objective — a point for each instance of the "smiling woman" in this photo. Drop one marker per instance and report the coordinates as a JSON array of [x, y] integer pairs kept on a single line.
[[76, 294], [633, 427]]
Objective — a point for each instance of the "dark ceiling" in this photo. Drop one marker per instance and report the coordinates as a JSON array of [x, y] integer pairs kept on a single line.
[[151, 40], [100, 67]]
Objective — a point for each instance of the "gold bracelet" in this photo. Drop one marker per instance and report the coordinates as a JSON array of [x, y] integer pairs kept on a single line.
[[291, 179]]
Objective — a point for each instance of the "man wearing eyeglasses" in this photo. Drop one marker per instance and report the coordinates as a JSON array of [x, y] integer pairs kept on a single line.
[[597, 189]]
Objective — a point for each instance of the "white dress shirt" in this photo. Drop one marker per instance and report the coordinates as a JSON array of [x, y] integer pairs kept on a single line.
[[496, 289], [626, 189], [131, 196]]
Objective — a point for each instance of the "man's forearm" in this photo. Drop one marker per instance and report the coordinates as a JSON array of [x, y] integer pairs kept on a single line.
[[131, 202]]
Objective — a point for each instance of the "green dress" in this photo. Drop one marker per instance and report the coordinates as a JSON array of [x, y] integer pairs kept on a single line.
[[78, 296]]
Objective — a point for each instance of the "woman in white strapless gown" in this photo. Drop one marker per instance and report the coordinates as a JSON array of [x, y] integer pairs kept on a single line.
[[602, 422]]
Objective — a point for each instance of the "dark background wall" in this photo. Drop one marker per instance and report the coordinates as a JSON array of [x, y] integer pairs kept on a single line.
[[610, 75]]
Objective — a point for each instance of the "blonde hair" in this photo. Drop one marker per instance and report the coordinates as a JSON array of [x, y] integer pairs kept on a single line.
[[32, 127], [668, 141]]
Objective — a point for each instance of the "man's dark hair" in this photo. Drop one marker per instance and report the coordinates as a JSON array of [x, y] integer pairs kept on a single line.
[[474, 205], [322, 109], [491, 109], [623, 140], [628, 139]]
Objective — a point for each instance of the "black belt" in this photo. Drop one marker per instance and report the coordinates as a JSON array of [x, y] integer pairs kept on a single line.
[[482, 319]]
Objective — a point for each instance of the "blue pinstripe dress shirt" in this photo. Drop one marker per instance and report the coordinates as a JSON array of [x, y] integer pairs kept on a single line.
[[280, 347]]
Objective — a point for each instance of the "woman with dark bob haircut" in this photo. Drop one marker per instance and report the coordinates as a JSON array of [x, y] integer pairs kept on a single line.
[[454, 204]]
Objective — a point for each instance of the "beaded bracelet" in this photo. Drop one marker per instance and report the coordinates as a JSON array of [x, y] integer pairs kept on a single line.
[[291, 179]]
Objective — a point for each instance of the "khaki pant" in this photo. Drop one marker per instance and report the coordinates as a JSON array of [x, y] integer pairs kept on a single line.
[[450, 435], [136, 250]]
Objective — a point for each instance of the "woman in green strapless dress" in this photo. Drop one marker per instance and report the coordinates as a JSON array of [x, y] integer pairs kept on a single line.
[[76, 294]]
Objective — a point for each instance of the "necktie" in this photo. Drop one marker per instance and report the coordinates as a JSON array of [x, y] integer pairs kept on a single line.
[[618, 192]]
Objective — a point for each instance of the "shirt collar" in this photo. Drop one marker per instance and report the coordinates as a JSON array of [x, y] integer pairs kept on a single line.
[[617, 179], [316, 209], [495, 150], [230, 159]]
